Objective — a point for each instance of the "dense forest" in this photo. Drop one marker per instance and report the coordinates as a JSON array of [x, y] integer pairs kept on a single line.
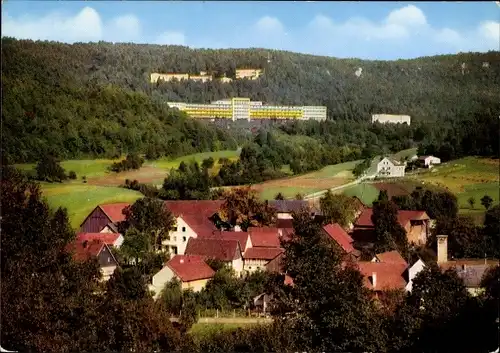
[[96, 99]]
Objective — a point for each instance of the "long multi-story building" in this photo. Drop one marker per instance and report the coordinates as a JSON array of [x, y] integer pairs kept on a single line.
[[243, 108], [391, 119]]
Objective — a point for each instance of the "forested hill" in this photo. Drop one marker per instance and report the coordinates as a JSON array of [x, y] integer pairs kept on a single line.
[[428, 89]]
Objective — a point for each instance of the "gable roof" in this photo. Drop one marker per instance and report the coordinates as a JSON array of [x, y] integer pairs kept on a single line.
[[284, 223], [470, 270], [264, 237], [107, 238], [404, 216], [276, 264], [114, 211], [340, 236], [112, 226], [196, 213], [241, 237], [288, 206], [190, 267], [219, 249], [388, 275], [262, 253], [84, 250], [391, 257]]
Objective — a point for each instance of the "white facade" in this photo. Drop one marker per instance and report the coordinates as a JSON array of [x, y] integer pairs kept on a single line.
[[252, 265], [412, 272], [238, 265], [429, 161], [388, 168], [179, 237], [165, 275], [107, 263], [391, 119], [314, 112]]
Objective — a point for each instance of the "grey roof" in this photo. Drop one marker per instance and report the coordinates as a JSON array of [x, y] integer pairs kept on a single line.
[[395, 162], [288, 206], [113, 227], [472, 274]]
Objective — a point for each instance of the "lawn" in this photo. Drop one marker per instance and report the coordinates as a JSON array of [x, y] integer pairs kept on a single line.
[[80, 199], [366, 192], [410, 152], [88, 167], [202, 330]]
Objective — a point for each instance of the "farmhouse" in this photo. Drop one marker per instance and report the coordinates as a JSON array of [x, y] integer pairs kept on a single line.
[[390, 168], [104, 218], [192, 271], [193, 220], [285, 208], [415, 223], [242, 237], [391, 119], [342, 239], [428, 161], [85, 250], [470, 270], [227, 251], [266, 246]]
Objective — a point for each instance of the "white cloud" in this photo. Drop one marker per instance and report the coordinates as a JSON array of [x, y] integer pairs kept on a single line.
[[269, 25], [171, 38], [127, 26], [404, 32]]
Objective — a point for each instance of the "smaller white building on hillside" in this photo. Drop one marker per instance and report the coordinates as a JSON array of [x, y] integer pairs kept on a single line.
[[390, 168], [429, 161]]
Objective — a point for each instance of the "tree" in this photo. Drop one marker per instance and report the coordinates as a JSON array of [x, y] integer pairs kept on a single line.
[[72, 175], [171, 297], [189, 311], [129, 284], [279, 196], [299, 196], [471, 202], [491, 230], [208, 163], [390, 235], [486, 201], [242, 207], [465, 239], [382, 196], [49, 169], [337, 208], [329, 309], [136, 245], [149, 216]]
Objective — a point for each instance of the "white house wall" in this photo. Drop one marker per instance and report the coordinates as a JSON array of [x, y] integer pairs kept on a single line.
[[180, 237], [412, 272], [161, 278]]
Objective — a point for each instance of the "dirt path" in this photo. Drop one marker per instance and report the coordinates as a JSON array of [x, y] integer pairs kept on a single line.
[[233, 320]]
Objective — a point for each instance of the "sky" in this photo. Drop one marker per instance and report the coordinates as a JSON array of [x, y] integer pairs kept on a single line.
[[366, 30]]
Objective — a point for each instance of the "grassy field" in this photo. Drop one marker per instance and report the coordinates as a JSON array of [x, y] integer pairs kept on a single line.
[[325, 178], [102, 187], [202, 331], [81, 199], [366, 192], [405, 153]]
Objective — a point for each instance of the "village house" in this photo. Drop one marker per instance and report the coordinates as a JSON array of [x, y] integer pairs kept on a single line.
[[390, 168], [470, 270], [415, 223], [266, 246], [193, 220], [191, 270], [224, 250], [104, 218], [242, 237], [110, 239], [428, 161], [276, 266], [285, 208], [343, 240], [85, 250]]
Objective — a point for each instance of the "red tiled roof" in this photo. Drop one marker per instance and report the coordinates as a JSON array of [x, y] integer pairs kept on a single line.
[[264, 237], [190, 267], [108, 238], [286, 234], [84, 250], [241, 237], [392, 257], [196, 214], [404, 216], [288, 280], [223, 250], [338, 234], [388, 275], [262, 253], [114, 211]]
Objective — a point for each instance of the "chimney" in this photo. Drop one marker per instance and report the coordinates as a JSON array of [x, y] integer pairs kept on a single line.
[[442, 249], [374, 279], [181, 261]]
